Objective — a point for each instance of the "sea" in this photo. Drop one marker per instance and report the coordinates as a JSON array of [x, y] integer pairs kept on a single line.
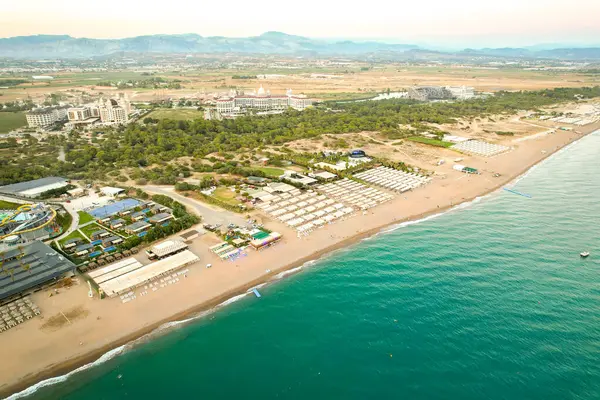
[[490, 300]]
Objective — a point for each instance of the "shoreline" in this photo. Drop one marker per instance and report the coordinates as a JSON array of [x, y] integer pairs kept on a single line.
[[70, 364]]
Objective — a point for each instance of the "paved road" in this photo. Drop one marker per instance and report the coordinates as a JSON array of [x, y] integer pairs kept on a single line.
[[210, 214], [74, 222]]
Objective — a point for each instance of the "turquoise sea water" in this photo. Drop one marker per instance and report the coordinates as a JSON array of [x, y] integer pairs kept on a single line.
[[488, 302]]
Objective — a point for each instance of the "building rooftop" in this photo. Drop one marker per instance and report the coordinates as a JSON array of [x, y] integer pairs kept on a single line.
[[168, 247], [159, 217], [18, 188], [137, 225], [45, 110], [30, 265], [189, 234]]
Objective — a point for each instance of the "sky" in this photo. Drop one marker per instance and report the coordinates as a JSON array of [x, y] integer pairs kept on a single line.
[[467, 23]]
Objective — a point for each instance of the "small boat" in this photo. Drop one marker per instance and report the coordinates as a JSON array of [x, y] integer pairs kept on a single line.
[[584, 254]]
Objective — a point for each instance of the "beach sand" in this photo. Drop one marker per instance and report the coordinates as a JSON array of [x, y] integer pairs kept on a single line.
[[45, 347]]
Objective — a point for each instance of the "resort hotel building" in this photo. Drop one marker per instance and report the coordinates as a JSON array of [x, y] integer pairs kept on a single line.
[[109, 111], [260, 101], [42, 117]]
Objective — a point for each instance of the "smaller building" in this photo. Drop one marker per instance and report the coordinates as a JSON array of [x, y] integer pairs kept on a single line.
[[166, 249], [295, 177], [137, 227], [111, 241], [324, 175], [191, 235], [278, 187], [116, 223], [71, 243], [160, 218], [138, 216], [157, 209], [99, 234], [111, 191], [83, 249], [269, 240]]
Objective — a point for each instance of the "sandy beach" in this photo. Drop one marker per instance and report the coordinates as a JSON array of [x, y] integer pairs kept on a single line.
[[45, 347]]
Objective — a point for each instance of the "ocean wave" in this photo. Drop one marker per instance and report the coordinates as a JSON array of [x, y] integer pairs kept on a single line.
[[58, 379], [460, 206], [231, 300], [287, 272]]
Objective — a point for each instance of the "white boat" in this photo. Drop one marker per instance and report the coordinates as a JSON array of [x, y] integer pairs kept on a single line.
[[584, 254]]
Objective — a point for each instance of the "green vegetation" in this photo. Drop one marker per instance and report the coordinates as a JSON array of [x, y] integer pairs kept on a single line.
[[156, 145], [149, 83], [225, 195], [49, 194], [429, 141], [503, 133], [12, 82], [73, 235], [244, 77], [176, 114], [64, 220], [271, 172], [11, 120], [84, 217], [89, 229], [7, 205]]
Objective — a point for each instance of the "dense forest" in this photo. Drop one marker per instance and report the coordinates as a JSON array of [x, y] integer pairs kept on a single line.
[[141, 145]]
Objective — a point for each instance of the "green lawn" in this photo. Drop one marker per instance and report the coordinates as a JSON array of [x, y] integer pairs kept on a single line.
[[271, 172], [88, 229], [11, 120], [225, 195], [72, 235], [177, 114], [432, 142], [84, 217], [6, 205]]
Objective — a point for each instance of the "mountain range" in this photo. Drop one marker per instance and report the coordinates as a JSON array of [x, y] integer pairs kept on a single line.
[[64, 46]]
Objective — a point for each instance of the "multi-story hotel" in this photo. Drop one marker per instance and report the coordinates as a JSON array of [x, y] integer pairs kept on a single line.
[[107, 110], [261, 101], [42, 117]]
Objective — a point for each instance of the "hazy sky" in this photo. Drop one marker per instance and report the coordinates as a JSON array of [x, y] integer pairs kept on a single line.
[[468, 22]]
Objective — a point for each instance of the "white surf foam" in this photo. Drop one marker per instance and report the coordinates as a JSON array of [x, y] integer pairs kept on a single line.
[[52, 381], [287, 272]]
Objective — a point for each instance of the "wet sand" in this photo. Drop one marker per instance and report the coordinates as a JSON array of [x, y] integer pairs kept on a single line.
[[37, 351]]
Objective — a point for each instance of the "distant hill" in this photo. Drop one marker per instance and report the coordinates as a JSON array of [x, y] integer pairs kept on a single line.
[[64, 46]]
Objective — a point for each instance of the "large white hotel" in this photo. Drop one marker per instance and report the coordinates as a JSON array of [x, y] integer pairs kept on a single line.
[[109, 111], [261, 101], [43, 117]]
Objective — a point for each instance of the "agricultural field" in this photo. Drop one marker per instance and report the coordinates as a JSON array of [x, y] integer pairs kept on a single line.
[[344, 83], [11, 120]]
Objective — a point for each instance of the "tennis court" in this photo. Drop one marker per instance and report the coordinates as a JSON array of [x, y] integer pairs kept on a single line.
[[114, 208]]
